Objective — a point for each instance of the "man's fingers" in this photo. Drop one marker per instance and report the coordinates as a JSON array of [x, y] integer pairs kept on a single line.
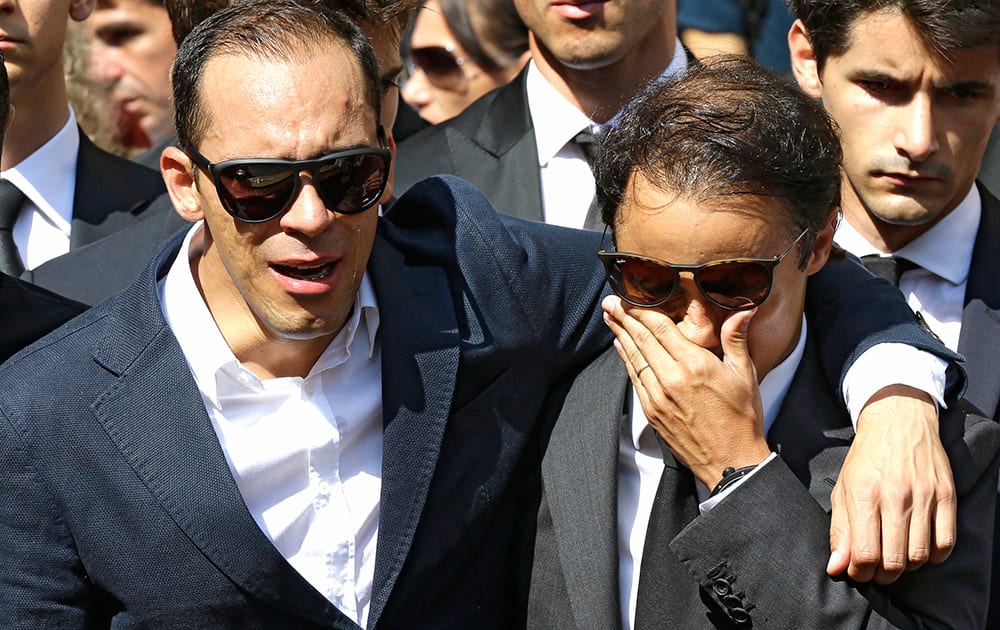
[[945, 515], [840, 536], [866, 536], [896, 524]]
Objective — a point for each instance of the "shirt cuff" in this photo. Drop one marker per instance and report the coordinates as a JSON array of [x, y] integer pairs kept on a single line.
[[887, 364], [711, 502]]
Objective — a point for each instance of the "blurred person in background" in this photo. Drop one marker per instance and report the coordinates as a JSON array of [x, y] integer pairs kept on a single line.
[[740, 27], [131, 48], [458, 51]]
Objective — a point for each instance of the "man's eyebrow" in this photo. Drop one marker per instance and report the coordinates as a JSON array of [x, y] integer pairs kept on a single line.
[[874, 75]]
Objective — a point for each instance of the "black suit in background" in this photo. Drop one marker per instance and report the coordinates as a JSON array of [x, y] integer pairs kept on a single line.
[[111, 193], [28, 312], [763, 549]]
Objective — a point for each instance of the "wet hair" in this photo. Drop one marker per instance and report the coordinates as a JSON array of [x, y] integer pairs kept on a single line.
[[723, 129], [941, 24], [491, 31], [186, 14], [262, 29]]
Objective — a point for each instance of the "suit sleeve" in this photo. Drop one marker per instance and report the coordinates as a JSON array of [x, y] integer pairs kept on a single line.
[[42, 581], [767, 543], [852, 311]]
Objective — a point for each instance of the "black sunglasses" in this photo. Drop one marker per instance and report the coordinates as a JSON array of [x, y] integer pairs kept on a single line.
[[257, 190], [733, 284], [439, 63]]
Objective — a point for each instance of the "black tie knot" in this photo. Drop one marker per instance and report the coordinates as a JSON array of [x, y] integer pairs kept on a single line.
[[888, 267], [588, 143]]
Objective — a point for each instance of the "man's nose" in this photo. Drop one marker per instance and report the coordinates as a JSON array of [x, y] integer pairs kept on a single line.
[[696, 317], [308, 214], [915, 135]]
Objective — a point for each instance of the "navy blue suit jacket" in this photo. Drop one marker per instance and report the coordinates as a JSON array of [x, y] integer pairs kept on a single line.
[[118, 500]]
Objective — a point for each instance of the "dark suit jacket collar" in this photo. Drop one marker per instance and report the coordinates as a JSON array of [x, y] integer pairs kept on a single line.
[[498, 152], [179, 457], [109, 191], [980, 336]]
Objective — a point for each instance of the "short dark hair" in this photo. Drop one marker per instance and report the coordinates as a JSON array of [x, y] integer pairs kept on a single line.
[[724, 128], [186, 14], [941, 24], [491, 31], [264, 29]]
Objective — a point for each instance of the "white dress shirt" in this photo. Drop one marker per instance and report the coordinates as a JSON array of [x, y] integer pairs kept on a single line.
[[640, 465], [944, 254], [306, 453], [47, 178], [566, 178]]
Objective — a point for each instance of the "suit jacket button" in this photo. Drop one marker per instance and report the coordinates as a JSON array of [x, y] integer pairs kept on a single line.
[[722, 587], [739, 615]]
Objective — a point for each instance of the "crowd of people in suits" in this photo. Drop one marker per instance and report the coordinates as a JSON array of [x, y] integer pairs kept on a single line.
[[289, 369]]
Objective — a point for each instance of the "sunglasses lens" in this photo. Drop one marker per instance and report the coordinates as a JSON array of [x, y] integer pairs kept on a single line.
[[349, 185], [736, 285], [257, 192], [437, 63], [640, 282]]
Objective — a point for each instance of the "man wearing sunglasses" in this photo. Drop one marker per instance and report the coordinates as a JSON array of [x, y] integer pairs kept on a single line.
[[528, 147], [691, 471]]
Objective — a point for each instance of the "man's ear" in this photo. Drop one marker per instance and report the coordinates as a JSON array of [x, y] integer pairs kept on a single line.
[[804, 60], [824, 243], [178, 175], [80, 10]]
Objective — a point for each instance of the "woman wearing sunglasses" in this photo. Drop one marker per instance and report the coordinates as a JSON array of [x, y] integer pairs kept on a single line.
[[460, 50]]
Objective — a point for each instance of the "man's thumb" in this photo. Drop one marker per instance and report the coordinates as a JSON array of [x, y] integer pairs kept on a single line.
[[734, 339]]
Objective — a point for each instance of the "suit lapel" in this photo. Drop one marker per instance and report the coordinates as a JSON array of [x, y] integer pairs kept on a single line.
[[418, 382], [178, 456], [980, 336], [508, 172], [581, 460], [108, 192]]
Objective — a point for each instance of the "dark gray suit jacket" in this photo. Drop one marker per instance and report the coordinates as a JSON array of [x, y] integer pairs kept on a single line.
[[491, 144], [768, 539]]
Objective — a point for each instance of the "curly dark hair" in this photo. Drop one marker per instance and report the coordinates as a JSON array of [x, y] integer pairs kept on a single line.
[[725, 128]]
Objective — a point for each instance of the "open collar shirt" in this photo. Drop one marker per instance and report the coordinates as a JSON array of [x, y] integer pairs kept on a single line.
[[306, 453]]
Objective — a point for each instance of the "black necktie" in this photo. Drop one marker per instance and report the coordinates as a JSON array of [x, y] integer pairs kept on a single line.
[[888, 267], [588, 144], [665, 585], [11, 199]]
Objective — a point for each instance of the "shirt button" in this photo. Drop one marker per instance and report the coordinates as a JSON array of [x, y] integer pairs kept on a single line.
[[244, 378], [307, 389], [324, 487]]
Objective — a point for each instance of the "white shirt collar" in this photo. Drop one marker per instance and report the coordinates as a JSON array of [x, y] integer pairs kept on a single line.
[[42, 176], [556, 121], [773, 389], [958, 229], [206, 350]]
